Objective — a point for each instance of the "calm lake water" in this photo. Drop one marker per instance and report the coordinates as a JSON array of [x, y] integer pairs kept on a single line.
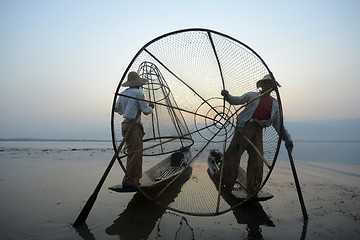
[[44, 184], [330, 152]]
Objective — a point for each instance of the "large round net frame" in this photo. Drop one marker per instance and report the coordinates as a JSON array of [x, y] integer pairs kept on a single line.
[[186, 72]]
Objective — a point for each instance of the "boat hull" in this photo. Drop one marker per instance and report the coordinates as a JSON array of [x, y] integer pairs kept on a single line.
[[162, 173]]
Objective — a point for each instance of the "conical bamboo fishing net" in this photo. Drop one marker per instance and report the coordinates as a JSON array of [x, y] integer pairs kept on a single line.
[[187, 70]]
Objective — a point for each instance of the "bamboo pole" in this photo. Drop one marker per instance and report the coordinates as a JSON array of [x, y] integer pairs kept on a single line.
[[91, 201], [298, 188]]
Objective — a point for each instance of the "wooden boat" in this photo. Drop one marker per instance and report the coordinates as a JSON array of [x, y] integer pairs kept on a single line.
[[239, 192], [162, 173]]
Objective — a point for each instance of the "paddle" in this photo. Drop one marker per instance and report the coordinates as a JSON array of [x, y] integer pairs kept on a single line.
[[301, 199], [90, 202]]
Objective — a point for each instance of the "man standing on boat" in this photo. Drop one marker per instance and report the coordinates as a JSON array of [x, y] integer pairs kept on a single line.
[[129, 107], [261, 111]]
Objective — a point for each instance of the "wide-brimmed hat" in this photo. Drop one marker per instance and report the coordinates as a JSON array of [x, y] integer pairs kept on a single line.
[[134, 80], [266, 81]]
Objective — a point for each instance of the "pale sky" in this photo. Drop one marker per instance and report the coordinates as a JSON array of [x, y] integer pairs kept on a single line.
[[61, 61]]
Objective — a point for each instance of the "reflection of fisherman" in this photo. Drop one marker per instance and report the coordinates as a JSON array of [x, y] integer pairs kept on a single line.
[[258, 114], [129, 108]]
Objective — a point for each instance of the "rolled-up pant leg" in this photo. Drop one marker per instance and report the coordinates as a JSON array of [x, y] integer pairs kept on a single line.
[[233, 154], [134, 161], [255, 162]]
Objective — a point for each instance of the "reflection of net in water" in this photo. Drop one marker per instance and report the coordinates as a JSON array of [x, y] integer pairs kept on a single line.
[[187, 71]]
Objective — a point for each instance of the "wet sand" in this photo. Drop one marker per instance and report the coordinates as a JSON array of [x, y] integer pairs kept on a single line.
[[43, 190]]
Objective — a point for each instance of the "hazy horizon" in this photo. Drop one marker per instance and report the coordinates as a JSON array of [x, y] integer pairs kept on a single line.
[[315, 130]]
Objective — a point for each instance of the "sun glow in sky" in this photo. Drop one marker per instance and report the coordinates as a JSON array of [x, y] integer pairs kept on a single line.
[[61, 61]]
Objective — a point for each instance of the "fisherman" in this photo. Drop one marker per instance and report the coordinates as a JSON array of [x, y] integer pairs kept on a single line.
[[259, 113], [129, 107]]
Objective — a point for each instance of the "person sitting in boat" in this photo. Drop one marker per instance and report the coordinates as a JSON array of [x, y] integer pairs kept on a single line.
[[129, 107], [259, 113]]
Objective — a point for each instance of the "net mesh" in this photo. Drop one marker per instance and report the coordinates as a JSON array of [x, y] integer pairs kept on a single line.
[[186, 71]]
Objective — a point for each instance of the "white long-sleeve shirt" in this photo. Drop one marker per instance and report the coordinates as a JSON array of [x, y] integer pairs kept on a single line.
[[249, 110], [129, 107]]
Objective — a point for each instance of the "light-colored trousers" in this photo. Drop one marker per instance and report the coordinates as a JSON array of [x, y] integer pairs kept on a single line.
[[253, 132], [133, 143]]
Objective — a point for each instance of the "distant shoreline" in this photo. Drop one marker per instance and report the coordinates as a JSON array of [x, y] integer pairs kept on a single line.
[[326, 141], [97, 140], [50, 140]]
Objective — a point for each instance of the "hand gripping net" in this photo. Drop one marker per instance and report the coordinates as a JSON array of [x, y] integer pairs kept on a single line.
[[186, 71]]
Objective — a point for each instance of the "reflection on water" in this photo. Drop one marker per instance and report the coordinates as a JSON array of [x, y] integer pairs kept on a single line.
[[138, 220], [304, 230], [84, 232], [253, 215], [143, 219], [141, 215], [250, 213]]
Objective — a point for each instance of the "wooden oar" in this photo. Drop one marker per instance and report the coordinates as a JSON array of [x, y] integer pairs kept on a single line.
[[301, 199], [90, 202]]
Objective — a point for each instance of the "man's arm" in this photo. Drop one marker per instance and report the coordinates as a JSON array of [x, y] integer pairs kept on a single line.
[[237, 100], [286, 135]]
